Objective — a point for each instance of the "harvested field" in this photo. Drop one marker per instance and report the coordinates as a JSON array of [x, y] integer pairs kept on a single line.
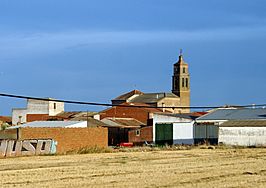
[[183, 168]]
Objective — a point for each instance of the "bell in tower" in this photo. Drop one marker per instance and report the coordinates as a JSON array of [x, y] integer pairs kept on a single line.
[[181, 81]]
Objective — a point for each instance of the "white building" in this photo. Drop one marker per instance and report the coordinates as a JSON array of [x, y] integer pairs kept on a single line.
[[173, 128], [50, 108], [243, 133]]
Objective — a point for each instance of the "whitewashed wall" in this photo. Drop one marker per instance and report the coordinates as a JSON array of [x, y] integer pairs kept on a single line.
[[37, 107], [59, 108], [183, 133], [81, 124], [161, 118], [17, 113], [242, 136], [44, 107]]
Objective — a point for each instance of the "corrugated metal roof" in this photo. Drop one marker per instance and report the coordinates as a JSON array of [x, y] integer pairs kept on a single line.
[[39, 124], [244, 123], [235, 114], [192, 115], [122, 122]]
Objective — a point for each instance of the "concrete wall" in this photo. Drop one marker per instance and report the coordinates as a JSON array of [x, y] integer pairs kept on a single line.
[[68, 138], [44, 107], [37, 107], [183, 133], [55, 108], [242, 136], [19, 116]]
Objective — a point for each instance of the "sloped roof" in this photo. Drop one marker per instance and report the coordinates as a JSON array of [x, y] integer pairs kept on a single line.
[[244, 123], [192, 115], [143, 105], [51, 124], [75, 115], [152, 97], [235, 114], [95, 123], [6, 119], [122, 122], [128, 95]]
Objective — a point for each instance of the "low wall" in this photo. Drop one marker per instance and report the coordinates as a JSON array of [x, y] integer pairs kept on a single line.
[[68, 138], [243, 136]]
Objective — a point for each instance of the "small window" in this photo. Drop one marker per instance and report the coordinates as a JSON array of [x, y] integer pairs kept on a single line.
[[184, 70], [137, 132], [186, 82], [54, 105], [183, 82]]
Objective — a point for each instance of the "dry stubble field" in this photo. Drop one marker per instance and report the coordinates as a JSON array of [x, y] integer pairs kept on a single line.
[[183, 168]]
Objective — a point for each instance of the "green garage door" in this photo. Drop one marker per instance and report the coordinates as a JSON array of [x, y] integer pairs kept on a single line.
[[164, 134]]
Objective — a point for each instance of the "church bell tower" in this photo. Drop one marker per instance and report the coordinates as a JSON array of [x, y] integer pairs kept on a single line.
[[181, 82]]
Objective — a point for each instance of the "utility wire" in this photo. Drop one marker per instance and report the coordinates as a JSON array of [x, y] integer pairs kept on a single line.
[[121, 105]]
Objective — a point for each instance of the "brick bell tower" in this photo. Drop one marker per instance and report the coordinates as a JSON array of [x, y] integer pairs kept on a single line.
[[181, 82]]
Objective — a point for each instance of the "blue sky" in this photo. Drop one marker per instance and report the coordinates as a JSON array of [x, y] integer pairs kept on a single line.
[[96, 50]]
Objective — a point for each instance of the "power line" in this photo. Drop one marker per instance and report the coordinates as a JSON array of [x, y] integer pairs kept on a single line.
[[121, 105]]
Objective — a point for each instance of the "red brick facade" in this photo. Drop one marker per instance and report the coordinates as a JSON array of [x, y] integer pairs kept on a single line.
[[68, 138], [141, 114], [138, 136], [37, 117]]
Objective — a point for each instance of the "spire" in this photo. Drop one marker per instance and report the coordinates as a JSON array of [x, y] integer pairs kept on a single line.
[[180, 56]]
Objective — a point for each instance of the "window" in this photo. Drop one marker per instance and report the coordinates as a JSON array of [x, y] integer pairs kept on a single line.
[[183, 82], [184, 70], [137, 132], [186, 82], [54, 105]]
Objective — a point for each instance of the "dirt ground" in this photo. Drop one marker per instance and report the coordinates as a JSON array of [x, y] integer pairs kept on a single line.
[[183, 168]]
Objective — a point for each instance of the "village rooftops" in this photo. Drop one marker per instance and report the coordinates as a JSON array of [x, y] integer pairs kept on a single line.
[[244, 123], [128, 95], [123, 122], [235, 114], [6, 119], [137, 96], [192, 115], [52, 124], [152, 97]]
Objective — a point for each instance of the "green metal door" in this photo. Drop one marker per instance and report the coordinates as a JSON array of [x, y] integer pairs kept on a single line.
[[163, 134]]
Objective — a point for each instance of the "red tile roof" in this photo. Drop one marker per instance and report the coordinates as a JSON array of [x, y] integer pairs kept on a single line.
[[6, 119], [129, 94]]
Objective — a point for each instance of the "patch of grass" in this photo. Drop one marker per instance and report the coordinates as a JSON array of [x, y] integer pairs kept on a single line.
[[93, 149]]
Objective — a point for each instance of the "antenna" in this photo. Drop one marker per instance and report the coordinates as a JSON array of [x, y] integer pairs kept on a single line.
[[181, 51]]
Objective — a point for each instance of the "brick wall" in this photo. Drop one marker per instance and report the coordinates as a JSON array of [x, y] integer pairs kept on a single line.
[[8, 134], [68, 138], [124, 112], [145, 134]]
